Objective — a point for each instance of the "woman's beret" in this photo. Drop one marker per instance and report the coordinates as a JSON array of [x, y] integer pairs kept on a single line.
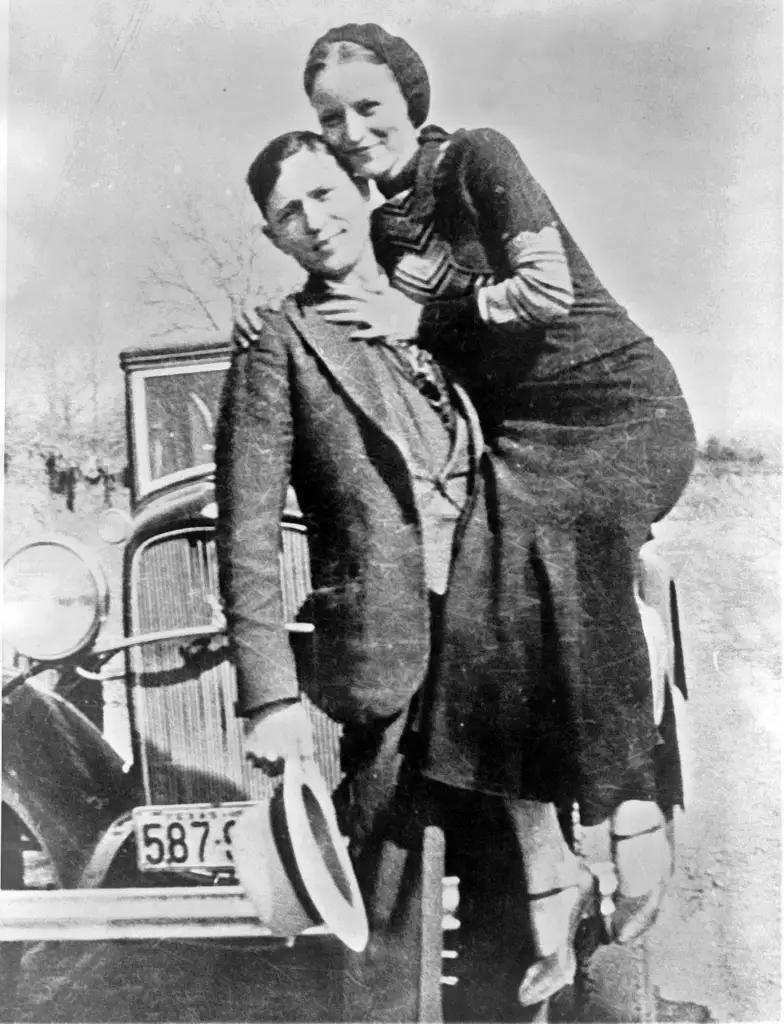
[[401, 59]]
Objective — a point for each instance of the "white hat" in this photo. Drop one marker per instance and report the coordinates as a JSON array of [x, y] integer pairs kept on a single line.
[[293, 863]]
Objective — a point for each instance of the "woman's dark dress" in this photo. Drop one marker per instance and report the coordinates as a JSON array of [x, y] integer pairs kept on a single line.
[[591, 442]]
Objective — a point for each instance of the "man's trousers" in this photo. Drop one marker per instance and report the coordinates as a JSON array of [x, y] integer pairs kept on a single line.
[[392, 814]]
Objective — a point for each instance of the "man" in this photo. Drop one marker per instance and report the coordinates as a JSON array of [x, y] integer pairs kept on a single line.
[[373, 459], [416, 652]]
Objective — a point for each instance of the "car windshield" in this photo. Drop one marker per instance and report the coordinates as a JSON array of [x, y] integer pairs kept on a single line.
[[175, 413]]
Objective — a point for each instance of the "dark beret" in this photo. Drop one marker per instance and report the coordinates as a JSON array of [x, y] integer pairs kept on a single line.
[[401, 59]]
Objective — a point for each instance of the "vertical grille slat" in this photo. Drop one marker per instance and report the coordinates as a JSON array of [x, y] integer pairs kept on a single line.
[[191, 740], [295, 571]]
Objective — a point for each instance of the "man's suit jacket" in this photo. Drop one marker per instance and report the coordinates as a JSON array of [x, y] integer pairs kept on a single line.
[[302, 406]]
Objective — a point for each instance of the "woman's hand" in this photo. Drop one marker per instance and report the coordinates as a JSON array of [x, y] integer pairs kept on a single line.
[[383, 313], [248, 325]]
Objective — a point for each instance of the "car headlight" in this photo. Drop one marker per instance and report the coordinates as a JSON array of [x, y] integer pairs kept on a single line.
[[55, 599], [114, 527]]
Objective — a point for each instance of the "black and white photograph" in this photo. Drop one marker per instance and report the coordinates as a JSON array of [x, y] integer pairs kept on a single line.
[[391, 595]]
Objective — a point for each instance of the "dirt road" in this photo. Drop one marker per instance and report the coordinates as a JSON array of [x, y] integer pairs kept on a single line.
[[719, 943]]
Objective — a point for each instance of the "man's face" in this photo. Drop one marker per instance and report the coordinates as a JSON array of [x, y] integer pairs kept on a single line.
[[317, 214]]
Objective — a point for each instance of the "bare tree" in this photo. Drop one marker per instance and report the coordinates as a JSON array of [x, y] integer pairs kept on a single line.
[[210, 261]]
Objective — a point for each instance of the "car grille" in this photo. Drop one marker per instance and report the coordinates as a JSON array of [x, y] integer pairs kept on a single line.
[[183, 703]]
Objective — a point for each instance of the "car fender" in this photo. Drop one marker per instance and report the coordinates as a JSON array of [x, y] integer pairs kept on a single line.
[[61, 777], [657, 603]]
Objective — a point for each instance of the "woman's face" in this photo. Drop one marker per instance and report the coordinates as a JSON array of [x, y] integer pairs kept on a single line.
[[364, 115]]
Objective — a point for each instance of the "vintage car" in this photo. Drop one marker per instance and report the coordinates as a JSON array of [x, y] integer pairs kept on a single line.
[[96, 849]]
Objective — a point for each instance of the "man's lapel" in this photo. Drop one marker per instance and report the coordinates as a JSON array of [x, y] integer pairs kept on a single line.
[[347, 363], [466, 407], [345, 360]]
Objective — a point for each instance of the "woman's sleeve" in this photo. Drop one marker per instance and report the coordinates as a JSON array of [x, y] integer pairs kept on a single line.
[[252, 470], [519, 226]]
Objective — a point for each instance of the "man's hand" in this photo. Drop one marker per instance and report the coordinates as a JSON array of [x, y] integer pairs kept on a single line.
[[386, 313], [278, 735]]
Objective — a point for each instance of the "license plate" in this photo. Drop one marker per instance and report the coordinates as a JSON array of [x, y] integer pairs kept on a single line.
[[186, 837]]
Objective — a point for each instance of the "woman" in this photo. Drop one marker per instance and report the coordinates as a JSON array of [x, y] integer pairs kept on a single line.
[[590, 435]]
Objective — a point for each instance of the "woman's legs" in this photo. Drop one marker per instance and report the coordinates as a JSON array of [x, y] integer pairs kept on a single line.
[[559, 891], [643, 862], [593, 490], [603, 660], [549, 862]]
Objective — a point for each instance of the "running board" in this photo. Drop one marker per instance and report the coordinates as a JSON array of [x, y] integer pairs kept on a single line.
[[89, 915], [95, 915]]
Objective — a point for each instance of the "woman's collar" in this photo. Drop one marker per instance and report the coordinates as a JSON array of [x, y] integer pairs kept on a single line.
[[403, 180], [419, 173]]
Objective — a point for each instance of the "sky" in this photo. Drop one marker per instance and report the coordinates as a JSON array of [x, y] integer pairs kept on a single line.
[[655, 128]]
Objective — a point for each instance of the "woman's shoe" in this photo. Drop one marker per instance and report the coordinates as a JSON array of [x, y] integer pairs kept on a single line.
[[551, 973], [643, 863]]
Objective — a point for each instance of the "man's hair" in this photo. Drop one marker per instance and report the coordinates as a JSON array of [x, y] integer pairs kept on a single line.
[[265, 169]]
